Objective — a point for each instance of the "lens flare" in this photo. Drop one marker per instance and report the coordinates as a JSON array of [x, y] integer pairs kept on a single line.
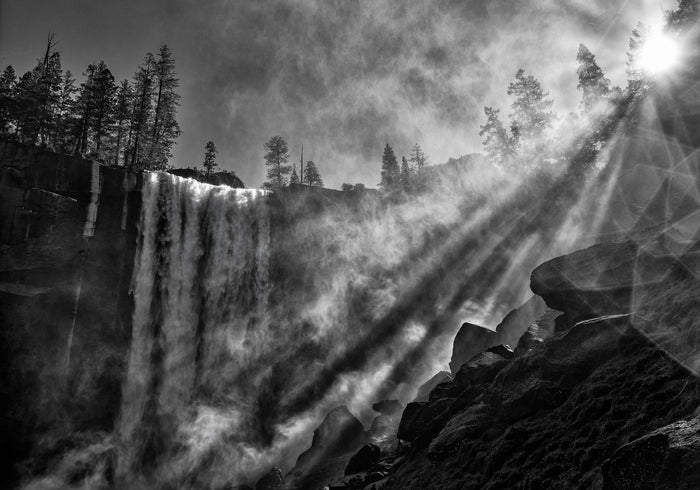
[[660, 54]]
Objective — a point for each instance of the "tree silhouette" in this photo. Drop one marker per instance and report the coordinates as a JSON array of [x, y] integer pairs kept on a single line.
[[210, 157], [311, 175], [276, 161], [391, 179]]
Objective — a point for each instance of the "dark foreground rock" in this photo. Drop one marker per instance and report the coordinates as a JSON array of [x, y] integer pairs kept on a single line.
[[667, 458], [334, 442], [548, 419], [363, 460]]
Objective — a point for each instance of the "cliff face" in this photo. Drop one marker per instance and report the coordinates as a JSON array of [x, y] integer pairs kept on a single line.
[[67, 241]]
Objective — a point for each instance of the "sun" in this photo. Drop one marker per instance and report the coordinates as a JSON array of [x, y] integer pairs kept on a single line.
[[660, 53]]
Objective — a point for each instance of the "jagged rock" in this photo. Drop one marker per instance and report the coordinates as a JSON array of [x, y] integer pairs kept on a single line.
[[429, 386], [605, 278], [274, 480], [505, 351], [470, 341], [581, 395], [339, 435], [667, 458], [515, 323], [363, 460], [419, 415], [388, 407]]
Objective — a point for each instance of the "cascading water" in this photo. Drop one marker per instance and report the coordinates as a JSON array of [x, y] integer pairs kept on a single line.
[[200, 288]]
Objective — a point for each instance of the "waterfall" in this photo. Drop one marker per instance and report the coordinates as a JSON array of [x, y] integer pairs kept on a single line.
[[200, 287]]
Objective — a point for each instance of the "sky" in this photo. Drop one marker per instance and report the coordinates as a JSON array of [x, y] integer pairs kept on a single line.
[[343, 77]]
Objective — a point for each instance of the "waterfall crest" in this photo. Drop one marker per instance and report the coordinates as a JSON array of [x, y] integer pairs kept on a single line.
[[200, 287]]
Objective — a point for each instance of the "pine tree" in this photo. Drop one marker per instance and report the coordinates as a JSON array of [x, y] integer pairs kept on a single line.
[[84, 110], [64, 113], [104, 91], [498, 144], [391, 179], [686, 14], [8, 80], [592, 83], [276, 161], [531, 114], [294, 179], [48, 90], [311, 175], [122, 117], [635, 72], [141, 112], [418, 161], [210, 157], [165, 129], [406, 175]]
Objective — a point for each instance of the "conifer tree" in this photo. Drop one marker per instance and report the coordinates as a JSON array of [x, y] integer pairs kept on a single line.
[[294, 179], [122, 117], [592, 83], [418, 161], [498, 144], [8, 80], [406, 175], [311, 175], [635, 72], [104, 90], [84, 111], [276, 161], [391, 180], [531, 114], [141, 112], [64, 113], [210, 157], [165, 128]]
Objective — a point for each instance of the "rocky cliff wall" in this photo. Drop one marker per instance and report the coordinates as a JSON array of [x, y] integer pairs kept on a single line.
[[67, 242]]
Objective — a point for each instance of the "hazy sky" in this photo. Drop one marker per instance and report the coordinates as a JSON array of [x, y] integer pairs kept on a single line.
[[343, 76]]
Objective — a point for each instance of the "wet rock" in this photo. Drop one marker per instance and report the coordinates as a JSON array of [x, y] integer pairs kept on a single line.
[[428, 386], [667, 458], [382, 425], [470, 341], [363, 460], [274, 480]]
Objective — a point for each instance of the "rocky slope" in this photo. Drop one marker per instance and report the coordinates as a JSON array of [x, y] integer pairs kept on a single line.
[[610, 401]]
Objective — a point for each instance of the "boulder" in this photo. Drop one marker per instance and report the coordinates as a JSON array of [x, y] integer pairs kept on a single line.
[[470, 341], [609, 278], [274, 480], [382, 425], [339, 435], [363, 460], [428, 386], [515, 323], [388, 407]]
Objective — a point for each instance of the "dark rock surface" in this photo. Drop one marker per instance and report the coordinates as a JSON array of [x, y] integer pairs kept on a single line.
[[548, 419], [334, 441], [388, 407], [667, 458], [428, 386], [67, 242], [363, 460], [518, 320], [470, 341]]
